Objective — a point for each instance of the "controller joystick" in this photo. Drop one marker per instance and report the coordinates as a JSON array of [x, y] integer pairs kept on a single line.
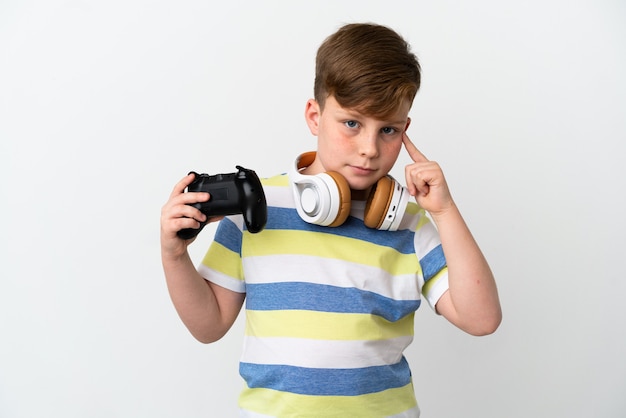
[[231, 194]]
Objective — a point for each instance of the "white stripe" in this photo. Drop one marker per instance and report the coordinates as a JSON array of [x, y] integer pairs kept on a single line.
[[425, 240], [221, 279], [301, 268], [237, 220], [411, 413], [325, 354], [279, 196], [244, 413]]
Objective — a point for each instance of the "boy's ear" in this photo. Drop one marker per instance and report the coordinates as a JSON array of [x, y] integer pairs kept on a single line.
[[312, 115], [408, 122]]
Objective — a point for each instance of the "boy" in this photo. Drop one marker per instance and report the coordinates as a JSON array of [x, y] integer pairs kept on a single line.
[[330, 299]]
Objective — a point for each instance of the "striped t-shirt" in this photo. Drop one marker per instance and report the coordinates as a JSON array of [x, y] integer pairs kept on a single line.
[[329, 311]]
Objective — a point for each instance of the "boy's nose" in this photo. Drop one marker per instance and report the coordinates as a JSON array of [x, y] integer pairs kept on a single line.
[[368, 144]]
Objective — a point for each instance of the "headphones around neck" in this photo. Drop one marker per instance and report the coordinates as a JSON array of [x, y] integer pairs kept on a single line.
[[324, 199]]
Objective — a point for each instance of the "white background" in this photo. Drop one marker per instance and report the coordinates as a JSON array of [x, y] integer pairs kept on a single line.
[[105, 105]]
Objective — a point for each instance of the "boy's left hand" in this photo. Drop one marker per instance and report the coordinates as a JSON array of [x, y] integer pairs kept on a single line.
[[426, 182]]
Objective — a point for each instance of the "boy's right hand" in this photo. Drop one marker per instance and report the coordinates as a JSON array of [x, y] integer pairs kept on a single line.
[[178, 214]]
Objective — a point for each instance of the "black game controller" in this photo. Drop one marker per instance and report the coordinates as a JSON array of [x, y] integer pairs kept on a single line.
[[231, 194]]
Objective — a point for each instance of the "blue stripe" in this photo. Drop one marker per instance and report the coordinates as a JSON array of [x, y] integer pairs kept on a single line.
[[229, 235], [326, 382], [325, 298], [288, 218], [433, 262]]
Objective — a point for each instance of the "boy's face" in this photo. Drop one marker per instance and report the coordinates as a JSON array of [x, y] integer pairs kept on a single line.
[[361, 148]]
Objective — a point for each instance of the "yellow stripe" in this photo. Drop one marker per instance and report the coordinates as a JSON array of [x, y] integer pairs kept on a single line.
[[282, 404], [281, 181], [232, 267], [325, 325], [324, 245], [423, 220], [432, 281], [413, 208]]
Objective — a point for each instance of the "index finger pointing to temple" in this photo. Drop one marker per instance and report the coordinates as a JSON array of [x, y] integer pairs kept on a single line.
[[414, 153]]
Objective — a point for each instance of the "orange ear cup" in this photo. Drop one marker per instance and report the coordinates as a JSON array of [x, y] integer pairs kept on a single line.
[[378, 202], [306, 159], [344, 197]]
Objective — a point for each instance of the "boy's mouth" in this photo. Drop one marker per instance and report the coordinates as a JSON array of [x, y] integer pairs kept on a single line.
[[363, 171]]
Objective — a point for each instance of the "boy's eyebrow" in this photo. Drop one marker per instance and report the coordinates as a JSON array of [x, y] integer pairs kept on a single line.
[[390, 122], [356, 114], [398, 122], [349, 113]]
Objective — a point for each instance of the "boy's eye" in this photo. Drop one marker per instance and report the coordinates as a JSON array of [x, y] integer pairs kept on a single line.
[[388, 130], [351, 123]]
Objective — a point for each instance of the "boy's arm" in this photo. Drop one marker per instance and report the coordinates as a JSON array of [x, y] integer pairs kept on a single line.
[[471, 302], [206, 309]]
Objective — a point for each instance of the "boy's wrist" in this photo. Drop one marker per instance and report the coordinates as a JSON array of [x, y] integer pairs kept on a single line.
[[174, 256], [446, 215]]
